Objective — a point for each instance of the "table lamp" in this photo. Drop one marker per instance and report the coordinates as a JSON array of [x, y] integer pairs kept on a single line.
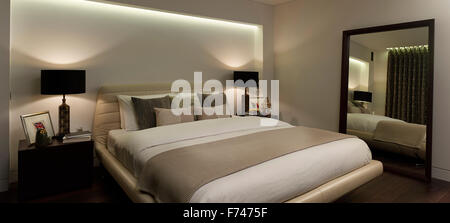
[[57, 82], [363, 96], [246, 76]]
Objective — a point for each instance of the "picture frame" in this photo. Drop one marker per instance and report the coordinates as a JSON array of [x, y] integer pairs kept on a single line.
[[254, 105], [259, 105], [31, 122]]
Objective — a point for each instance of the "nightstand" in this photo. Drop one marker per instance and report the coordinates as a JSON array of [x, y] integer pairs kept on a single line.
[[54, 169], [265, 116], [258, 114]]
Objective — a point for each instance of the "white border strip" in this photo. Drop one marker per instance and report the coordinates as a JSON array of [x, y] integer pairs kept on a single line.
[[441, 174]]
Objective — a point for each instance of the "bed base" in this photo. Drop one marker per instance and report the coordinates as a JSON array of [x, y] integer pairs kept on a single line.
[[327, 192]]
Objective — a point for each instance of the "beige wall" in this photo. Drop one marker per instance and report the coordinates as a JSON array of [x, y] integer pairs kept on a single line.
[[308, 46], [361, 54], [4, 94], [359, 51], [379, 81], [377, 74], [235, 10], [128, 45]]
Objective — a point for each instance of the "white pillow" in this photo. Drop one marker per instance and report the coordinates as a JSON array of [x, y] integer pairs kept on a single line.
[[127, 116]]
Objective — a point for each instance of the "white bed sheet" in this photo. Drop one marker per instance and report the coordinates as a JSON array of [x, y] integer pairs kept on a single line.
[[276, 180], [366, 122]]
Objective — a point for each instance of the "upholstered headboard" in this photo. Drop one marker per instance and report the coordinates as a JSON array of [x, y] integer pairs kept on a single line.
[[107, 116]]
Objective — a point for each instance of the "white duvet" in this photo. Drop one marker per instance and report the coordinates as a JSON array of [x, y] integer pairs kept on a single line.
[[276, 180], [366, 122]]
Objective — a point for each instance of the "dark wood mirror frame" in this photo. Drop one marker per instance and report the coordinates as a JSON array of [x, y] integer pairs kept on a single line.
[[345, 73]]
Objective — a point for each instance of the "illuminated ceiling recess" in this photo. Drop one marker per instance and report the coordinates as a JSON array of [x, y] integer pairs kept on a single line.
[[73, 38], [167, 14], [357, 60]]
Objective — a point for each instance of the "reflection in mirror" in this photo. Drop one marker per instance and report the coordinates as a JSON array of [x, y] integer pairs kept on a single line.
[[387, 93]]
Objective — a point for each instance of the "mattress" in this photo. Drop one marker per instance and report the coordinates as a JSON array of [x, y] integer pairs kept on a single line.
[[276, 180], [366, 122]]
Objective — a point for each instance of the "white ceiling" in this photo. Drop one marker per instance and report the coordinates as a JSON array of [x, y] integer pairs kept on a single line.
[[272, 2], [398, 38]]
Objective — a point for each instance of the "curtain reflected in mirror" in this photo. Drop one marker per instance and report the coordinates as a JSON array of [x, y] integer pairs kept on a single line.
[[406, 84]]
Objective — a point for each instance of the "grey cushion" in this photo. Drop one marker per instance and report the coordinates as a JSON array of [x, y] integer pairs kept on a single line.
[[145, 112]]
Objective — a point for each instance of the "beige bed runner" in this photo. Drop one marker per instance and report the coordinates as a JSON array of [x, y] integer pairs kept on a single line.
[[175, 175]]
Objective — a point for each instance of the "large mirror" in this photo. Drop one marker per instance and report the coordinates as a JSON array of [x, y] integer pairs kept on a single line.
[[387, 93]]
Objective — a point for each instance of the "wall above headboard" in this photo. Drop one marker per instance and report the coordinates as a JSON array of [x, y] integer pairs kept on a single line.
[[125, 44]]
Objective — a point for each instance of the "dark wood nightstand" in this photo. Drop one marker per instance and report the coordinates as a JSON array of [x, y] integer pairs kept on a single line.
[[258, 114], [54, 169]]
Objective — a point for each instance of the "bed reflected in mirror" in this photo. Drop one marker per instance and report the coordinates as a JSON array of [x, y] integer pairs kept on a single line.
[[388, 96]]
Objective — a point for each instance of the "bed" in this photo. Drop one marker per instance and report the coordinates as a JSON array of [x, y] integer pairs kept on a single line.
[[389, 134], [325, 173]]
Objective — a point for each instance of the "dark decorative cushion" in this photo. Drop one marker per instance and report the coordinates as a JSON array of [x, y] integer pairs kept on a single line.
[[145, 112]]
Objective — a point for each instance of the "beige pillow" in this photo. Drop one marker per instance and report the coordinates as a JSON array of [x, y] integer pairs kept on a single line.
[[165, 116], [351, 108]]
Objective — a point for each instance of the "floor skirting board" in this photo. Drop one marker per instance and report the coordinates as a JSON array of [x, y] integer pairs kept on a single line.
[[13, 176], [4, 183], [440, 173]]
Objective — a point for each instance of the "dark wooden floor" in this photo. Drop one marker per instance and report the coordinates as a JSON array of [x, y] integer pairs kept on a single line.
[[413, 167], [393, 188], [387, 188], [103, 190]]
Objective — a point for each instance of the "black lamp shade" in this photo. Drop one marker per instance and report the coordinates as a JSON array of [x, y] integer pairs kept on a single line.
[[246, 75], [63, 82], [362, 96]]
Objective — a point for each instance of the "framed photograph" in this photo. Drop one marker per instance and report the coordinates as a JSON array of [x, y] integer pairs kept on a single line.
[[258, 103], [32, 122]]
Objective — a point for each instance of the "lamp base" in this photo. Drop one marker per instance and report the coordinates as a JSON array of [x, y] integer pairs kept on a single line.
[[64, 118]]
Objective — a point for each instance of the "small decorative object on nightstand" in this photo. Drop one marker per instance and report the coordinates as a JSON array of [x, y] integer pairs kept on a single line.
[[42, 139], [77, 137], [57, 168]]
